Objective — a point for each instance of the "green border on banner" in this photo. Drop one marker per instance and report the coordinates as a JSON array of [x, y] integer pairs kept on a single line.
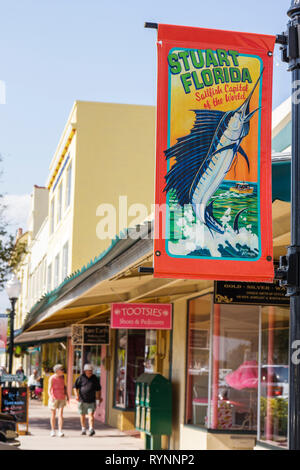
[[258, 173]]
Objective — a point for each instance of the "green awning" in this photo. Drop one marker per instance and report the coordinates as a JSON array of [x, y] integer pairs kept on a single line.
[[281, 180]]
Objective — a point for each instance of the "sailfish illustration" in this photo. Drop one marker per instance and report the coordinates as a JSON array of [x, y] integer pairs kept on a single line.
[[205, 156]]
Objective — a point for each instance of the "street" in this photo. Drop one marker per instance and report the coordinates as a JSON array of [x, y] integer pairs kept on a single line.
[[106, 437]]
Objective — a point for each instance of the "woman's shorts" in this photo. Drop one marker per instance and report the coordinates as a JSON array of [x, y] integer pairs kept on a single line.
[[56, 404], [86, 408]]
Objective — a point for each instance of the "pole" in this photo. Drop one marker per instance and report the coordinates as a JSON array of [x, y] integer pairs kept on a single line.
[[289, 268], [216, 366], [11, 336]]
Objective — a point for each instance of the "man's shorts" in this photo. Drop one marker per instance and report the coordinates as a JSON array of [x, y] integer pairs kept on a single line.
[[86, 408], [56, 404]]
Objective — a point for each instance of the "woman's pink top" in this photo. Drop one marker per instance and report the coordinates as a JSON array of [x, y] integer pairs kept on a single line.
[[58, 387]]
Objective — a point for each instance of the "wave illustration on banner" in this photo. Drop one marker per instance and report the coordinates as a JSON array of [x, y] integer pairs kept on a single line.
[[210, 216]]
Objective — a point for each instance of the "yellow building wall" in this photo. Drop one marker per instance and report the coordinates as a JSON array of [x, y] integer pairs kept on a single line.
[[115, 148]]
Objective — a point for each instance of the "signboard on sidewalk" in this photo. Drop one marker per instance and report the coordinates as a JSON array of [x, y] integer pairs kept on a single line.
[[141, 316], [213, 163], [89, 335], [14, 400], [3, 332]]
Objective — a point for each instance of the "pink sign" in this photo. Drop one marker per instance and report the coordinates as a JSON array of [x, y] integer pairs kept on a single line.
[[141, 316]]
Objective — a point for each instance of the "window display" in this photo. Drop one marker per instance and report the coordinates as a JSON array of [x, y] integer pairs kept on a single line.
[[274, 385], [135, 354]]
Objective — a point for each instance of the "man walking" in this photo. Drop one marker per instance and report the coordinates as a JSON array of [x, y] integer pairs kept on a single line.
[[88, 394]]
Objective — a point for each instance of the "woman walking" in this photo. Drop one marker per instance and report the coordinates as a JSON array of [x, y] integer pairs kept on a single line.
[[57, 392]]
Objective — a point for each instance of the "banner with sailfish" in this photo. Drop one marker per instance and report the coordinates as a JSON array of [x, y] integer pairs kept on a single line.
[[213, 165]]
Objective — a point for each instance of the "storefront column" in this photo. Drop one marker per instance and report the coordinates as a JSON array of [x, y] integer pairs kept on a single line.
[[269, 425], [216, 357]]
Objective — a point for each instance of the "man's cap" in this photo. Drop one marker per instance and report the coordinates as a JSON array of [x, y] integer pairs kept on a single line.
[[88, 367]]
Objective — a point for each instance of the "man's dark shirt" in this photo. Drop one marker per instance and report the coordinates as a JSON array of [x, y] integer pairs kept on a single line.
[[87, 388]]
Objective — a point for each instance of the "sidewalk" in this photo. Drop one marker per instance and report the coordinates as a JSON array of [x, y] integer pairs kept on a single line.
[[106, 437]]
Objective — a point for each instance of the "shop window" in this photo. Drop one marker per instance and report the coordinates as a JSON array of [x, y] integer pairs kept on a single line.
[[274, 383], [234, 380], [150, 351], [120, 374], [59, 203], [198, 360], [135, 354]]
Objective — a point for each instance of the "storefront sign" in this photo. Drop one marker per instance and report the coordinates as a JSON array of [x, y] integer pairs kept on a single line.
[[14, 400], [213, 165], [258, 293], [90, 334], [141, 316], [12, 378], [3, 332]]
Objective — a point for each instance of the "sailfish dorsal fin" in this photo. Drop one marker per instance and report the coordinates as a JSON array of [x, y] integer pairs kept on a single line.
[[190, 153]]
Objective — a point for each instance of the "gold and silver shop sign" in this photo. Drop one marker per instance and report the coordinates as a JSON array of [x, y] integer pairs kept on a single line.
[[89, 335], [254, 293]]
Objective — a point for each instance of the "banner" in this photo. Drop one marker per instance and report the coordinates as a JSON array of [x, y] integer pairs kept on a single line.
[[3, 332], [141, 316], [213, 215]]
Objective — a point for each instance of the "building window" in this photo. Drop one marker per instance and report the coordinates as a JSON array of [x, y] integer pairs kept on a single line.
[[198, 360], [49, 278], [274, 383], [56, 271], [222, 365], [135, 354], [52, 210], [68, 186], [59, 203], [65, 260], [234, 378]]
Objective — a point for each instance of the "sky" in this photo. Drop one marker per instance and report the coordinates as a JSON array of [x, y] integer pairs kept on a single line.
[[53, 52]]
